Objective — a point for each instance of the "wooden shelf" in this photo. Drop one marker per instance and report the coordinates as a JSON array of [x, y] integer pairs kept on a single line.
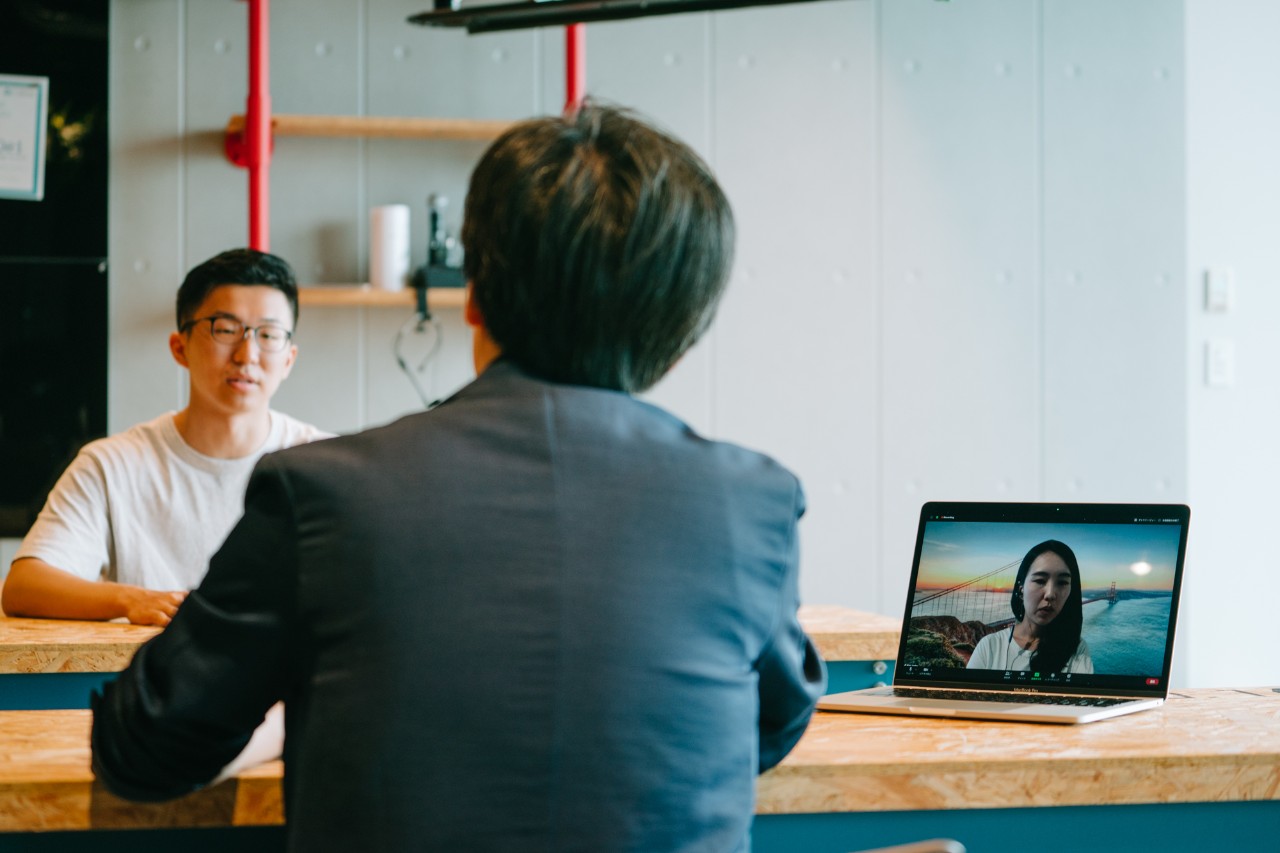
[[386, 127], [351, 295]]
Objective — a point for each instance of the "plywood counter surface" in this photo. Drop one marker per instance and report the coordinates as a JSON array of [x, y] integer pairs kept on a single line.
[[1203, 746], [46, 784], [61, 645], [844, 634]]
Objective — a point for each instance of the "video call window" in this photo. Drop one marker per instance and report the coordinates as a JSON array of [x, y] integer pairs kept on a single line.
[[965, 591]]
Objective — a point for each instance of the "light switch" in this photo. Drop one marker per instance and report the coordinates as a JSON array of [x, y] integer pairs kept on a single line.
[[1219, 289], [1220, 363]]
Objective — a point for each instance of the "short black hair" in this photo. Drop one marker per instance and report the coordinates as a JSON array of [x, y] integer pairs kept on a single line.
[[236, 266], [597, 247]]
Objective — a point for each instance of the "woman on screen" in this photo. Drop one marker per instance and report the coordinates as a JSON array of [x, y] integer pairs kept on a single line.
[[1048, 611]]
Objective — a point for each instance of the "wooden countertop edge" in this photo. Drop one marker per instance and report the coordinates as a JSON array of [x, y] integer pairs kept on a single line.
[[253, 799], [994, 785], [37, 658]]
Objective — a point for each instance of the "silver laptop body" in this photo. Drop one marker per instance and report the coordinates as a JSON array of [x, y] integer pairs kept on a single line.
[[1034, 612]]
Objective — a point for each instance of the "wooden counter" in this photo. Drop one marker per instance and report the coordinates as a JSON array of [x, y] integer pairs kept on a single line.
[[61, 645], [46, 784], [1204, 746], [1201, 746], [843, 634]]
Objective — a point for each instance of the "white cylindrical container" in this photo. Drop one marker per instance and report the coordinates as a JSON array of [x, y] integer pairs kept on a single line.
[[389, 246]]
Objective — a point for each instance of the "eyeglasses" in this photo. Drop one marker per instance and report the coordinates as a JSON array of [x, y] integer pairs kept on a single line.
[[229, 332]]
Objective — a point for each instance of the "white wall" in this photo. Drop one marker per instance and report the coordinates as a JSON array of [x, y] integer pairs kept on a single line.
[[1233, 185], [963, 235]]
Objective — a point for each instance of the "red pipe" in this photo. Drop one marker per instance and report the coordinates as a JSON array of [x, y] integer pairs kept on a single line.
[[257, 127], [575, 66]]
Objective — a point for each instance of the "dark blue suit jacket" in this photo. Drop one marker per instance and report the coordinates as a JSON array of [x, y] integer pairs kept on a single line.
[[538, 617]]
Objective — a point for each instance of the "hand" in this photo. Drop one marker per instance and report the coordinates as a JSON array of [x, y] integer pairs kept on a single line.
[[152, 607]]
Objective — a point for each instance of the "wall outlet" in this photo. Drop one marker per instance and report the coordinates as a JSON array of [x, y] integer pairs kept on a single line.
[[1220, 363]]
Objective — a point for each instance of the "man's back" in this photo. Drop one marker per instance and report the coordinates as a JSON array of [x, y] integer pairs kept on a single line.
[[548, 603]]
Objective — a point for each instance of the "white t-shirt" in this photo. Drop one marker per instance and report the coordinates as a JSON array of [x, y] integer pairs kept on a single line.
[[142, 507], [998, 651]]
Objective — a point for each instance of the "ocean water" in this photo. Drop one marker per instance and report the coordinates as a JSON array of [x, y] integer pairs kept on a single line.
[[1125, 637]]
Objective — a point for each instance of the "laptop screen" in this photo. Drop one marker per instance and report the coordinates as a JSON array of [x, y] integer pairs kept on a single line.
[[1063, 597]]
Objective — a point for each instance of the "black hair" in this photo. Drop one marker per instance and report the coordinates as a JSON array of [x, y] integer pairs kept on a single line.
[[597, 247], [1061, 637], [236, 266]]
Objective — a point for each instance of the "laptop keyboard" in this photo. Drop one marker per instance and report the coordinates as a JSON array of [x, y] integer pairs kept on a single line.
[[1020, 698]]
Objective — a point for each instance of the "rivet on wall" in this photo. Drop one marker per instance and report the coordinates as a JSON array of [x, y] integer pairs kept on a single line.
[[746, 61], [911, 276], [221, 46], [839, 276], [839, 487], [324, 48], [140, 265], [141, 43], [1163, 279], [1004, 277], [1074, 484], [1072, 278], [1162, 74], [670, 60], [399, 52], [1073, 70], [912, 486], [1162, 484], [499, 55], [839, 65], [911, 66], [1002, 69], [1004, 486]]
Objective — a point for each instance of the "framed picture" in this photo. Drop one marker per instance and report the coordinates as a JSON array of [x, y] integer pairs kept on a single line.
[[24, 113]]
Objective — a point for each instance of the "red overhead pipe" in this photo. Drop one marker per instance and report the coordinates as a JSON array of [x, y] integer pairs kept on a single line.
[[575, 65], [257, 127]]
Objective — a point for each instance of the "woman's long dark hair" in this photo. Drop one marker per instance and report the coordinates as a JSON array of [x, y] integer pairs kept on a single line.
[[1062, 636]]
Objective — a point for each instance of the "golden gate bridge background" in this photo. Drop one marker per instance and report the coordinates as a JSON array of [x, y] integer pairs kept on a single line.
[[984, 598]]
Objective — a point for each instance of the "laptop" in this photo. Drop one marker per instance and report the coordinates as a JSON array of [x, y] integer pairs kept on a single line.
[[1036, 612]]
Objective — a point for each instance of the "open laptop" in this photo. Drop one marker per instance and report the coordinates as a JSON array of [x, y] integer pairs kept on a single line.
[[984, 638]]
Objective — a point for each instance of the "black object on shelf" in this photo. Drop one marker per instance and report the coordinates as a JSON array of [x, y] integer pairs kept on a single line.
[[546, 13]]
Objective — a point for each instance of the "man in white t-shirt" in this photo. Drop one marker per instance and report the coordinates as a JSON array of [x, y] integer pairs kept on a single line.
[[129, 527]]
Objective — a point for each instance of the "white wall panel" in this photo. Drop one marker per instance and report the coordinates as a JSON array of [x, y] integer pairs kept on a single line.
[[659, 67], [796, 367], [1233, 574], [215, 207], [145, 233], [1113, 251], [959, 234], [438, 71], [961, 374]]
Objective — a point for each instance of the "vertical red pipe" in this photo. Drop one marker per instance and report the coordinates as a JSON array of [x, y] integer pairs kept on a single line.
[[575, 65], [258, 127]]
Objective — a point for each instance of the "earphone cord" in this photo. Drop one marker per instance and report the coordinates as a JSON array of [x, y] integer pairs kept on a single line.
[[420, 324]]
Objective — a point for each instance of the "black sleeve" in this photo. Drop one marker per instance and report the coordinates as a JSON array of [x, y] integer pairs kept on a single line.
[[193, 695], [793, 675]]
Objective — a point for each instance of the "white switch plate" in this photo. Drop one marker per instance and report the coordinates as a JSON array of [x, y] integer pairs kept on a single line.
[[1220, 363], [1219, 289]]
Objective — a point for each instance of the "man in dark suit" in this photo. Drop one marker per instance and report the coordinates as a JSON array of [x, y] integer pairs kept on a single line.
[[542, 616]]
